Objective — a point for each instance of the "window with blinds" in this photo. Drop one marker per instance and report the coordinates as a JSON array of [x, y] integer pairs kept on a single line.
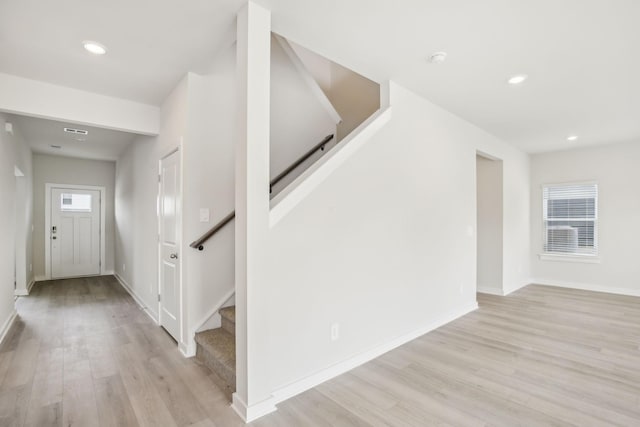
[[570, 215]]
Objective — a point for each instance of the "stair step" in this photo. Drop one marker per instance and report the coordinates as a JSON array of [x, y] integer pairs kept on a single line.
[[216, 349], [228, 315]]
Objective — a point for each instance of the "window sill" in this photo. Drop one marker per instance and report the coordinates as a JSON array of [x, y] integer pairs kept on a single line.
[[587, 259]]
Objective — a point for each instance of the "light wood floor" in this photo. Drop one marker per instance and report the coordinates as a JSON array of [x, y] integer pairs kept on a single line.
[[83, 354]]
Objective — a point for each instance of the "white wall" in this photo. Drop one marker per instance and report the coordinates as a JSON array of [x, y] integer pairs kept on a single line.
[[385, 246], [615, 169], [7, 216], [67, 170], [14, 151], [210, 152], [298, 120], [202, 111], [136, 236], [40, 99], [489, 224], [318, 66], [354, 97], [24, 215]]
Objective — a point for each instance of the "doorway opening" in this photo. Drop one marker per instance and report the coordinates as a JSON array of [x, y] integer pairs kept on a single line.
[[489, 188], [74, 231]]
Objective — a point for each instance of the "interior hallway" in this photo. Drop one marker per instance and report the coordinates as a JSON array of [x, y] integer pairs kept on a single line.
[[83, 354]]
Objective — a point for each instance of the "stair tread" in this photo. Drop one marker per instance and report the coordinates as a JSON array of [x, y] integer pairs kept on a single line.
[[221, 345], [229, 313]]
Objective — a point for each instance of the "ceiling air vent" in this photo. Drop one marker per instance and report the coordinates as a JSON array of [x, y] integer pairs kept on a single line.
[[77, 131]]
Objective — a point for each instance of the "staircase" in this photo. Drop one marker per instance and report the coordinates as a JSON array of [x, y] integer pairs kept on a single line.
[[216, 349]]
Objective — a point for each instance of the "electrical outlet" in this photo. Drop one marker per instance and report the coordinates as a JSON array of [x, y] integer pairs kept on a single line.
[[124, 267], [335, 331]]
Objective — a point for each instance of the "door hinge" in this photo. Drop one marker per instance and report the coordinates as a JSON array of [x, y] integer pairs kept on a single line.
[[159, 178], [158, 297]]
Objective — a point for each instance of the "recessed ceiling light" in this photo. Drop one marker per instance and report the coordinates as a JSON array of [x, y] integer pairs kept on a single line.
[[94, 47], [518, 79], [438, 57], [572, 138]]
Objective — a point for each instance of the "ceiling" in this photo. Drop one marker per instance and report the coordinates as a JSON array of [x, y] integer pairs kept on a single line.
[[581, 56], [100, 144], [151, 43]]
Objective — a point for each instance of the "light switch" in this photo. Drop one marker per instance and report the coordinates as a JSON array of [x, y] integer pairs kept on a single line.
[[204, 215]]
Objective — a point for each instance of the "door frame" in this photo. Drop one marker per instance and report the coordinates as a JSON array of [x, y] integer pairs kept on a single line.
[[180, 204], [47, 223], [483, 288], [19, 244]]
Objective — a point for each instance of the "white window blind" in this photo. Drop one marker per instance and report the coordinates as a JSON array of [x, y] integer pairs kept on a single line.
[[570, 215]]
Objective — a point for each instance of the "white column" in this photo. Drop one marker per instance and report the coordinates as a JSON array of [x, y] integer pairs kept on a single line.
[[252, 397]]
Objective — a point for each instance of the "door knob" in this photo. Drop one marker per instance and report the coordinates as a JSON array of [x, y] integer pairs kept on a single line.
[[173, 256]]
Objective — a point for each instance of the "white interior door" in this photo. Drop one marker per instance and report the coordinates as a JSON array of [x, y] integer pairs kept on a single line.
[[75, 232], [169, 244]]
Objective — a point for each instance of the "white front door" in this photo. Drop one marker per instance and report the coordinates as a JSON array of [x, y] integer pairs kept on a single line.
[[169, 244], [75, 232]]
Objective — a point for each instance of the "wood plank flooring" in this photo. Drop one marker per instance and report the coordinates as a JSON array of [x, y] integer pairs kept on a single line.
[[82, 353]]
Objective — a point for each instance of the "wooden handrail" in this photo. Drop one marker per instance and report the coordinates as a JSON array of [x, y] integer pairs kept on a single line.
[[305, 156], [199, 244]]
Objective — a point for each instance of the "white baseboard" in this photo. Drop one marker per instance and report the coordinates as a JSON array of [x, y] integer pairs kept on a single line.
[[339, 368], [189, 349], [252, 413], [109, 273], [25, 292], [136, 298], [7, 325], [40, 278], [512, 289], [587, 287], [490, 290]]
